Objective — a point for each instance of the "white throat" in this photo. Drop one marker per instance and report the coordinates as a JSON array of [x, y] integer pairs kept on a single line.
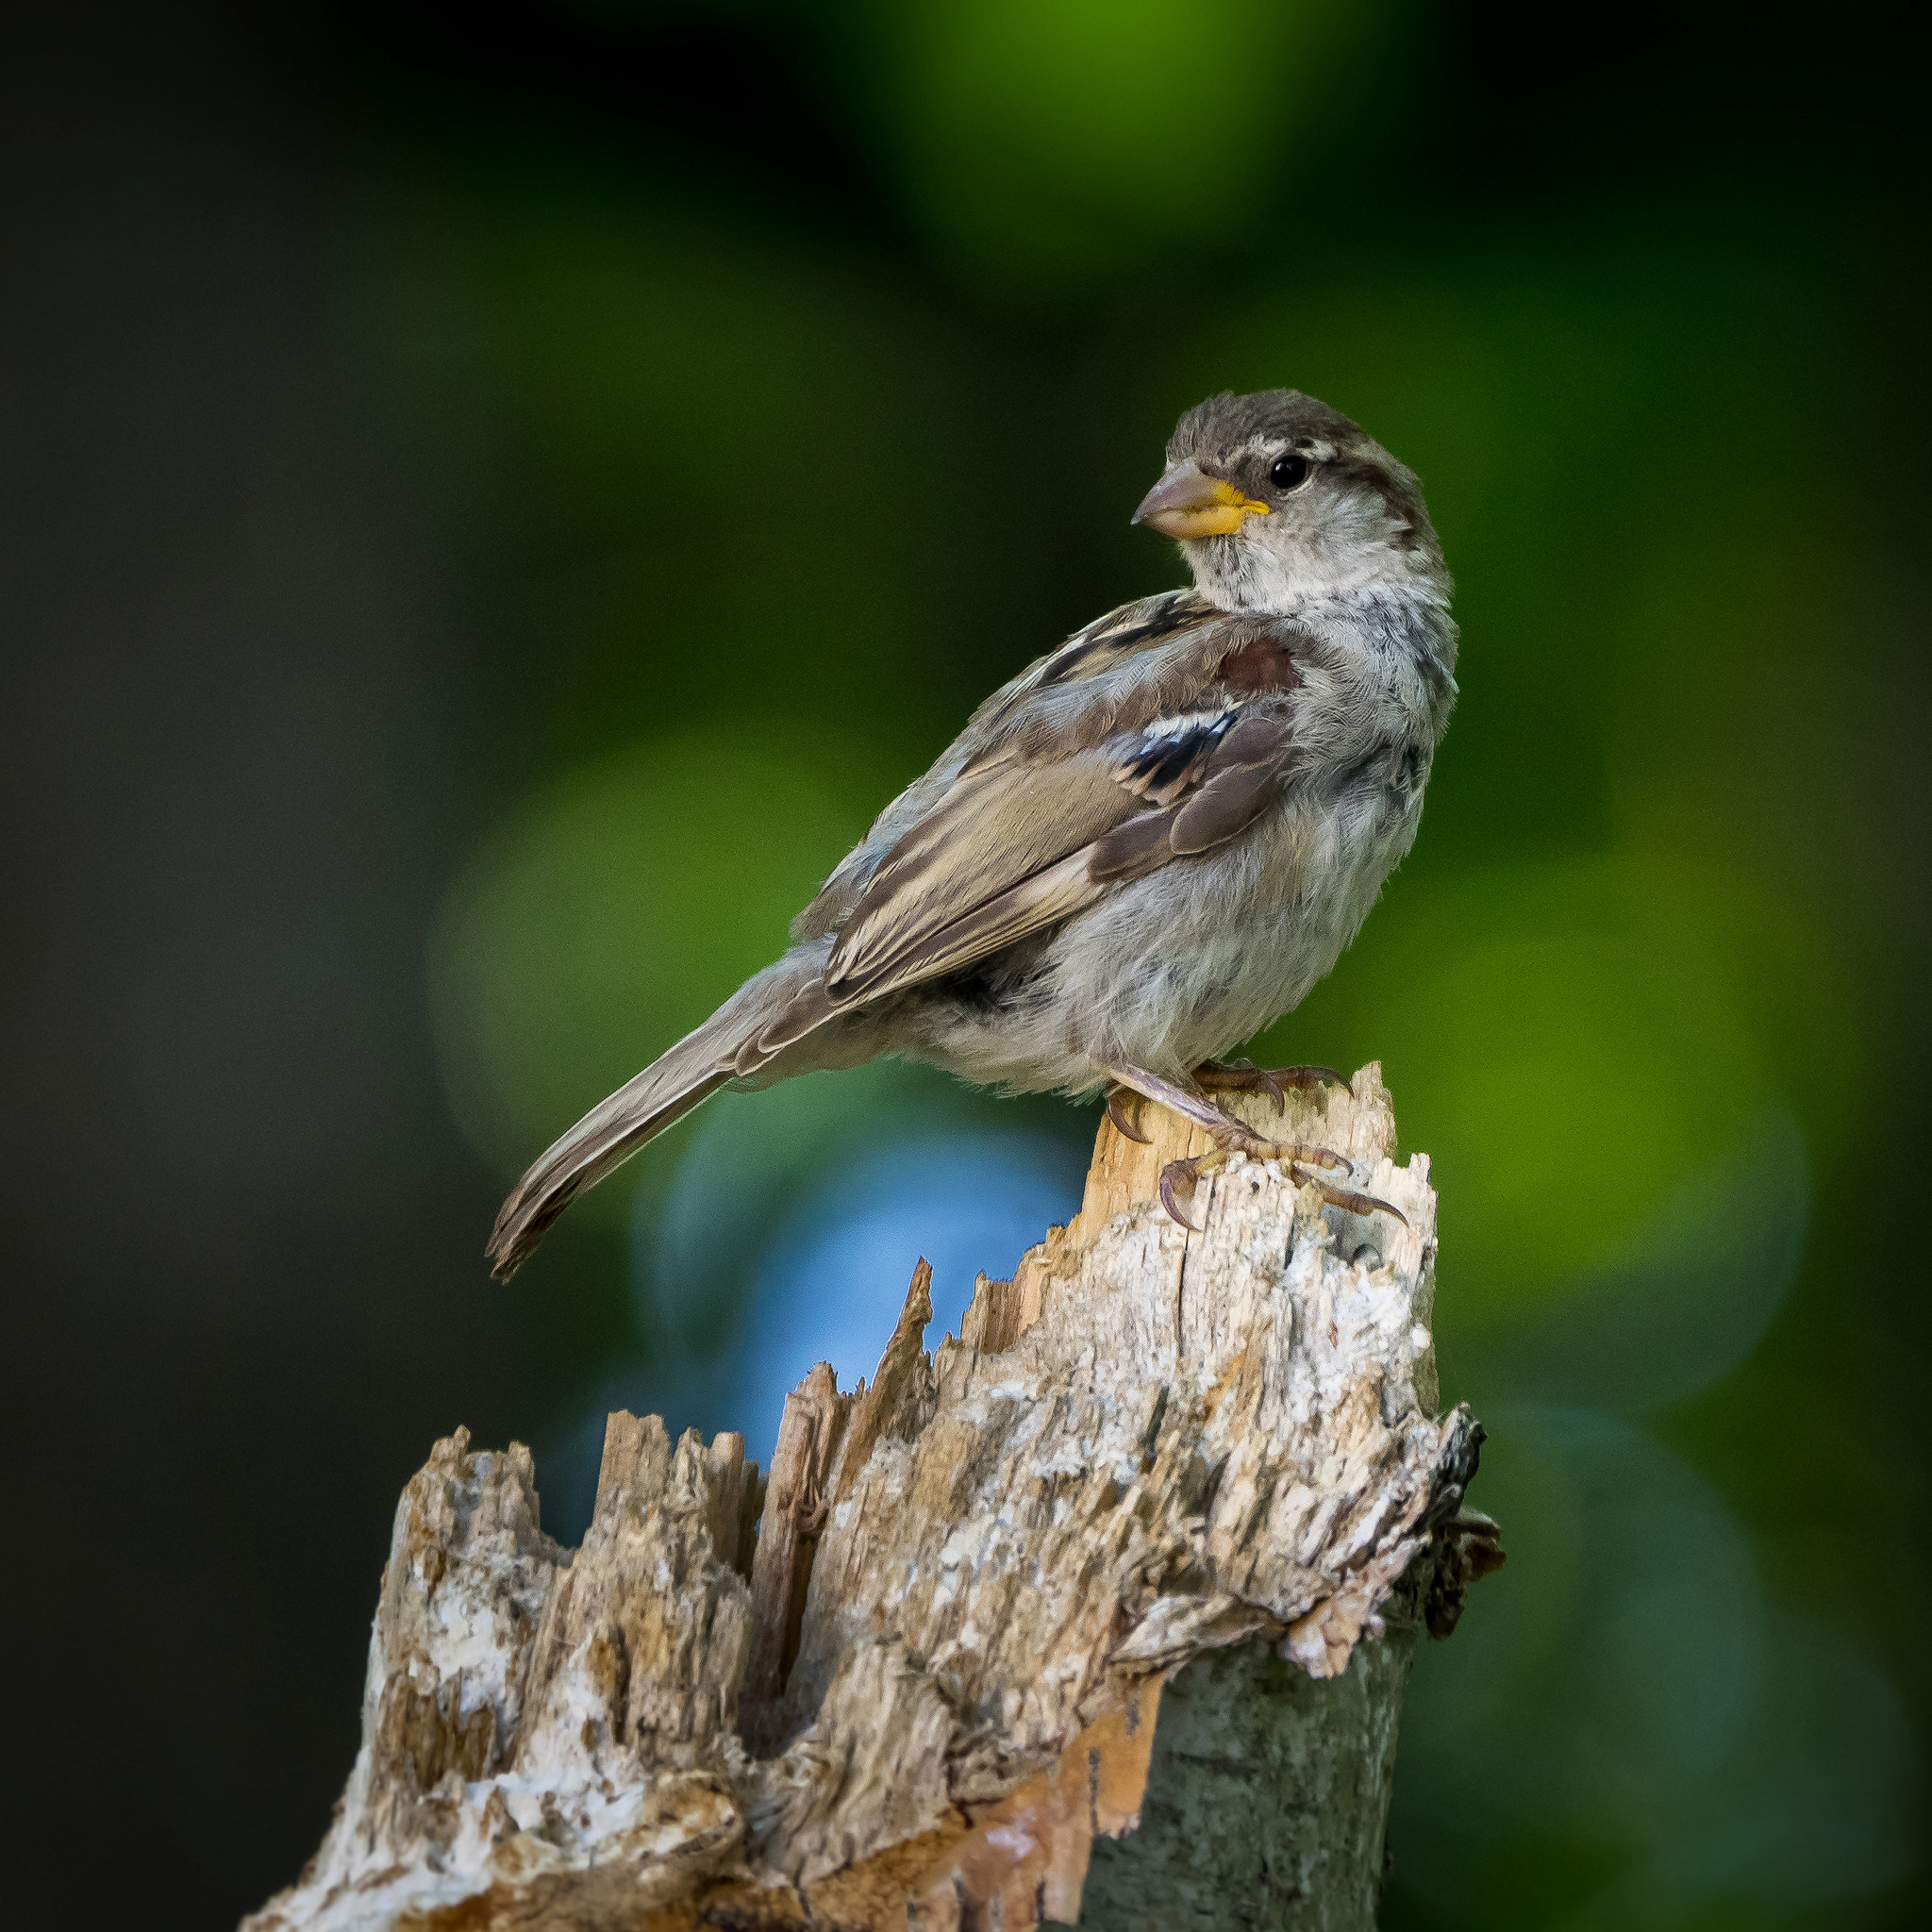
[[1241, 575]]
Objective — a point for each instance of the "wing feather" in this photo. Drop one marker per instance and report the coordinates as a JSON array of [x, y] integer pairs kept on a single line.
[[1242, 779], [1043, 899], [1050, 807], [1132, 850], [995, 832], [1244, 775]]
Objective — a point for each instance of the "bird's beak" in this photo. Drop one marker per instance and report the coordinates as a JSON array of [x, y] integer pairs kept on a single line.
[[1186, 502]]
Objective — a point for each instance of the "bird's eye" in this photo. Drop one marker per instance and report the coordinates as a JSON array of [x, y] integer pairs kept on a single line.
[[1288, 469]]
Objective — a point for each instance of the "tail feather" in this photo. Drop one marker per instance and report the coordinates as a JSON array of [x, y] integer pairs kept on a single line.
[[770, 1011]]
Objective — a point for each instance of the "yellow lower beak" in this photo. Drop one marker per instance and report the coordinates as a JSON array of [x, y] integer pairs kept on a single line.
[[1186, 502]]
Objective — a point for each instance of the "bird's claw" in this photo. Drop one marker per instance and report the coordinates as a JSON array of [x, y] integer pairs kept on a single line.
[[1347, 1197], [1173, 1175], [1313, 1076], [1122, 1122], [1179, 1175], [1243, 1077]]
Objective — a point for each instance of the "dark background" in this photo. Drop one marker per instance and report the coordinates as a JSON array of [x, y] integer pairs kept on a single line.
[[493, 501]]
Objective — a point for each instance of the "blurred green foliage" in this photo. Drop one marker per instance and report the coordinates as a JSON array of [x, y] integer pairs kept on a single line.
[[591, 929], [758, 495], [1045, 144]]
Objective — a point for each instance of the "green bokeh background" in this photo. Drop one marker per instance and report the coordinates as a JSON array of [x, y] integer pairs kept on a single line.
[[754, 387]]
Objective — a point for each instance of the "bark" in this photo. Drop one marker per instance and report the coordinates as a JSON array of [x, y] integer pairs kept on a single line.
[[1098, 1614]]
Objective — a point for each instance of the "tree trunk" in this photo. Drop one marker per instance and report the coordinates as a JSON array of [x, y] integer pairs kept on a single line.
[[1099, 1614]]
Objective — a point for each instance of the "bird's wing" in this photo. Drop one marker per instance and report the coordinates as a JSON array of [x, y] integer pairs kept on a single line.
[[1160, 731], [1053, 696], [1168, 753]]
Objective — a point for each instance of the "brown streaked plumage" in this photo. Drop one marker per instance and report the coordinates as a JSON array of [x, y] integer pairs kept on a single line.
[[1147, 846]]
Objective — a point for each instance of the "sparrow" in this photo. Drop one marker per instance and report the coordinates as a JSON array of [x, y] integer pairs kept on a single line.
[[1146, 847]]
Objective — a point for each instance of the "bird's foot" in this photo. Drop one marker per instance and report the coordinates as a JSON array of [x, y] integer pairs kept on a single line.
[[1231, 1136], [1244, 1076], [1179, 1175]]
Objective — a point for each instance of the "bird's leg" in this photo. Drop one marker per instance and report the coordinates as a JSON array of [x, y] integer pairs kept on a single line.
[[1231, 1136], [1244, 1076]]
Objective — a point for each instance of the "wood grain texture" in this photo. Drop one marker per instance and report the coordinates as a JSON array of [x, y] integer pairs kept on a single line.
[[981, 1595]]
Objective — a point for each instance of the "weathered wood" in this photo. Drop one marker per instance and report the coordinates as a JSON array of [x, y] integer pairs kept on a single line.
[[1206, 1462], [809, 1438]]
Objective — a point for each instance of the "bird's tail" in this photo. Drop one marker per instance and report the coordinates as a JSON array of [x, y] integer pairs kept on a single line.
[[763, 1016]]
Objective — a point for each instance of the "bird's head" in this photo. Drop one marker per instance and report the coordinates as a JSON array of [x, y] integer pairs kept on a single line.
[[1278, 499]]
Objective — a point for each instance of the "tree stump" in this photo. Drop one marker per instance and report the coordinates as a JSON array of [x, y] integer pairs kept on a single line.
[[1099, 1614]]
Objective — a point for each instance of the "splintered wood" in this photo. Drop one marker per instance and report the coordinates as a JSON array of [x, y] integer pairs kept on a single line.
[[918, 1677]]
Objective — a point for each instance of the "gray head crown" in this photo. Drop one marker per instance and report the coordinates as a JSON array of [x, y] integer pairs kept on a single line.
[[1226, 422]]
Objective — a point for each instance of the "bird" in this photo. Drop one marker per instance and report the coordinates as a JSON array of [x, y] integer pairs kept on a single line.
[[1140, 851]]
